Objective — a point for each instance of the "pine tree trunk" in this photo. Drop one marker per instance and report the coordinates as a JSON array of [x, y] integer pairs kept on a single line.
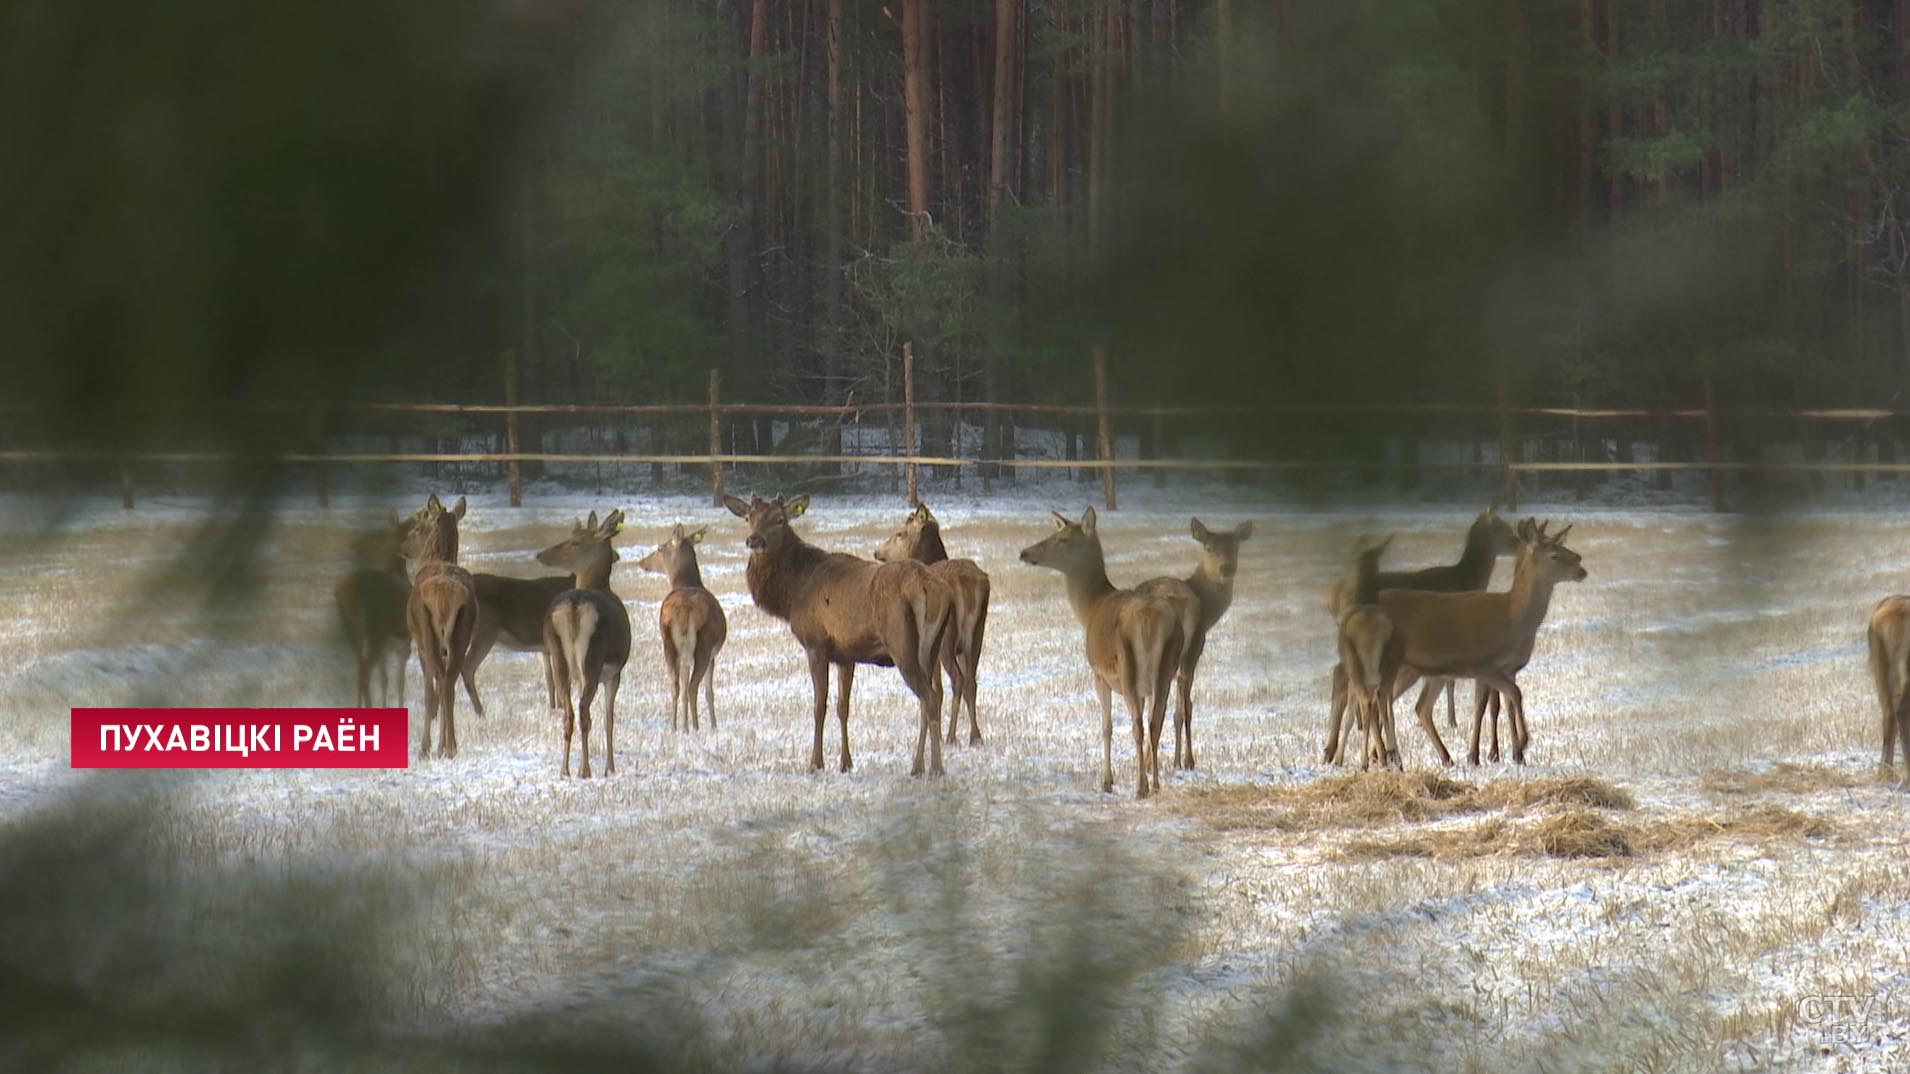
[[915, 105], [1005, 109]]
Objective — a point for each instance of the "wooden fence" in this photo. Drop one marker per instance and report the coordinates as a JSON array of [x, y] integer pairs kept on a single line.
[[1510, 463]]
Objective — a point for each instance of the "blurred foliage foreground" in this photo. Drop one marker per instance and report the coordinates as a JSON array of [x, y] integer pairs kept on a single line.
[[123, 948]]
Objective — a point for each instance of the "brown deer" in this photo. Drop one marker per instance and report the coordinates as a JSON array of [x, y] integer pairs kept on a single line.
[[587, 633], [846, 611], [692, 624], [1134, 642], [440, 613], [1371, 652], [371, 607], [920, 539], [1203, 598], [1890, 669], [1483, 636], [1488, 538]]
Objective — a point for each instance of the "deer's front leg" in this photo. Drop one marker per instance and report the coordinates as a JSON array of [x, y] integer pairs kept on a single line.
[[1423, 709], [1107, 734], [819, 683]]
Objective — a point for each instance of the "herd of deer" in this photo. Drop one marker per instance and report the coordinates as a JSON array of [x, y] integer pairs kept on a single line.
[[917, 610]]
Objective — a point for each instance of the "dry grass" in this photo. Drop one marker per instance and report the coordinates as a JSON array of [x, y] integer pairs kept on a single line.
[[1787, 778], [1586, 833], [1377, 799]]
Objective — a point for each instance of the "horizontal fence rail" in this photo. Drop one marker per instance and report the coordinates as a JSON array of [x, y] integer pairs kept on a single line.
[[1509, 464]]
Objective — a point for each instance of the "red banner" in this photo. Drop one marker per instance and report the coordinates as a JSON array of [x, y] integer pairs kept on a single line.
[[239, 738]]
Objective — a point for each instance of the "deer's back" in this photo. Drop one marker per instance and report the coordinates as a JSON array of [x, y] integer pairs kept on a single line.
[[515, 607], [1452, 633]]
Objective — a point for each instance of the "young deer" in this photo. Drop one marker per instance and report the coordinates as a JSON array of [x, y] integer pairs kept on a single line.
[[920, 539], [1371, 652], [1889, 635], [587, 633], [1203, 598], [1134, 642], [692, 624], [371, 607], [1488, 538], [847, 611], [440, 614], [1483, 636]]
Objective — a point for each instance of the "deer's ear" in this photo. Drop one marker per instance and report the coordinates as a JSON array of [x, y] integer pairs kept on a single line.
[[697, 537], [797, 506], [1061, 521], [1087, 520], [591, 522], [1199, 530], [737, 507], [458, 511], [1244, 530], [613, 523]]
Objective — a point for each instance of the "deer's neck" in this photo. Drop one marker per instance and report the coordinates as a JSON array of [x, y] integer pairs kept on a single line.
[[684, 575], [1088, 585], [1526, 605], [929, 547], [1477, 559], [1216, 594], [593, 575], [777, 578]]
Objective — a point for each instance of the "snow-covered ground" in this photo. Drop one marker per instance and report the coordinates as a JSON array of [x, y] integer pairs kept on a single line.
[[1712, 667]]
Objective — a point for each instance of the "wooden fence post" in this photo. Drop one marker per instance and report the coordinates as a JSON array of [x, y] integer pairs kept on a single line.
[[1508, 456], [716, 437], [321, 474], [1714, 476], [1103, 429], [512, 468], [908, 420], [1160, 450], [126, 484]]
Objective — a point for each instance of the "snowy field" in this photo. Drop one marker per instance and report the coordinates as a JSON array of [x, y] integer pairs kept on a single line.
[[1733, 859]]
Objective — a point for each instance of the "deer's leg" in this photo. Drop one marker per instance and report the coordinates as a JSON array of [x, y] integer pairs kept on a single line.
[[1184, 719], [1336, 710], [819, 684], [1389, 731], [1903, 731], [675, 673], [362, 659], [431, 673], [550, 683], [972, 659], [1478, 717], [845, 679], [1452, 704], [709, 688], [589, 692], [613, 677], [1106, 695], [1493, 707], [952, 666], [560, 679], [481, 643], [1137, 715], [1423, 709], [1512, 700]]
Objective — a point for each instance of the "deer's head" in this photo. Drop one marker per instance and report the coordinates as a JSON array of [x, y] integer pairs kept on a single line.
[[1072, 544], [1220, 551], [909, 538], [768, 520], [676, 553], [1495, 533], [433, 531], [587, 546], [383, 549], [1546, 554]]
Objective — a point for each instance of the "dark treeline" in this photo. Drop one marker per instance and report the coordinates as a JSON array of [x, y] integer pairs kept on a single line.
[[1301, 203]]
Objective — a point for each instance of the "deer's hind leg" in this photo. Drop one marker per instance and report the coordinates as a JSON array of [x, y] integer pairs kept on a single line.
[[1423, 709], [613, 677], [1106, 696], [845, 679]]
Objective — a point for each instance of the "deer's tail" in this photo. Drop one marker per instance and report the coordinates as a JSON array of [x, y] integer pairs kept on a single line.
[[444, 617]]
